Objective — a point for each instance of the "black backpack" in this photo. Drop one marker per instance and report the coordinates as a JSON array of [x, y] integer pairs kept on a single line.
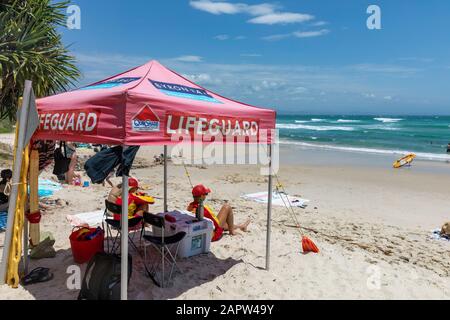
[[61, 161], [102, 278]]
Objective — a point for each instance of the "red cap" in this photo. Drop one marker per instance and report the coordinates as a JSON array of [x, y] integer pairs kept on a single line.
[[200, 190], [133, 183]]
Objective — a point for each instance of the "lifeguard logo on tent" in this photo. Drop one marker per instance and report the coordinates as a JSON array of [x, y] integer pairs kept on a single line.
[[146, 120], [180, 91]]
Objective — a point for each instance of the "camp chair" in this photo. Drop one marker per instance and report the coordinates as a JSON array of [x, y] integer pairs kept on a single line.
[[134, 224], [162, 244]]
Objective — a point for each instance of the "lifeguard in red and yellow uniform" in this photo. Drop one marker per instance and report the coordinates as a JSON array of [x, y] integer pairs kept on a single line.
[[224, 221], [138, 202]]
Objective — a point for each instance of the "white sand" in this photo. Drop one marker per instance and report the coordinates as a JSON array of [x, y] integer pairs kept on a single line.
[[369, 225]]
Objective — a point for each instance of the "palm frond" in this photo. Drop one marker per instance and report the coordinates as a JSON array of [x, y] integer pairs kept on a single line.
[[31, 49]]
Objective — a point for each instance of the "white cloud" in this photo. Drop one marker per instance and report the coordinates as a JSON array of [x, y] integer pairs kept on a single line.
[[298, 34], [310, 34], [389, 98], [217, 7], [264, 13], [281, 85], [222, 37], [369, 95], [282, 18], [319, 24], [189, 59], [277, 37], [384, 68], [203, 79]]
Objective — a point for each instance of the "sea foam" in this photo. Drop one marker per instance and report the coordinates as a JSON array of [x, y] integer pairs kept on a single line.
[[420, 155], [313, 128], [387, 120]]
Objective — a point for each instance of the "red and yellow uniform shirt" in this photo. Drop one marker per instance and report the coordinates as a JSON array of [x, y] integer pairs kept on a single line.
[[134, 201], [209, 213]]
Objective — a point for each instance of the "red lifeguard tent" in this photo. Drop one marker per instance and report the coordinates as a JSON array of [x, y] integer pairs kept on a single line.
[[149, 105]]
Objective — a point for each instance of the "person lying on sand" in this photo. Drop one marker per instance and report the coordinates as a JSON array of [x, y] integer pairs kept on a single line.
[[138, 202], [224, 221]]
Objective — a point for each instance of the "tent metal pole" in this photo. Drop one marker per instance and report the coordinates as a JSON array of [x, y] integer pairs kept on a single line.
[[15, 179], [124, 240], [165, 179], [269, 211]]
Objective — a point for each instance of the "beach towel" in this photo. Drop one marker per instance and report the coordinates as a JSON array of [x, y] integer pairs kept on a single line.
[[279, 199], [3, 220], [47, 188], [90, 219], [436, 235]]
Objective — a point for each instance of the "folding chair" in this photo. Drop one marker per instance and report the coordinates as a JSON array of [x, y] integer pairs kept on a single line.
[[162, 244], [111, 224]]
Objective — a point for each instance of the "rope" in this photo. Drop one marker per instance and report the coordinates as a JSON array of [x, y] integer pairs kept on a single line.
[[289, 208], [187, 174], [7, 190], [9, 185]]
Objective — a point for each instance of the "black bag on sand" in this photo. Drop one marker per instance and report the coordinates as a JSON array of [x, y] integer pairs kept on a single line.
[[102, 278]]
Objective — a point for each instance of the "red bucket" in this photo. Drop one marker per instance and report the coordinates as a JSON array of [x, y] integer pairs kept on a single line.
[[84, 250]]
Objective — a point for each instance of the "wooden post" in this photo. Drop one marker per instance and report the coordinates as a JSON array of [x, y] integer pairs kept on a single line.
[[35, 235]]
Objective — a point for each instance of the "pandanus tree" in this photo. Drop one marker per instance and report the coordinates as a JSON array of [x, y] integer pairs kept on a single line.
[[31, 48]]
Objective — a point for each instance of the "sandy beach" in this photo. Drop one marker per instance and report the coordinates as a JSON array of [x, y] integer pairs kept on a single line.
[[371, 223]]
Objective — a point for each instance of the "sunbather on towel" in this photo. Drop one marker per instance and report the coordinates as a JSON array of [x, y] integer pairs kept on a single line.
[[224, 221], [138, 202]]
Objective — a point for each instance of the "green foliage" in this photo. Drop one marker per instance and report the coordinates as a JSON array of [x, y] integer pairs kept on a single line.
[[32, 49], [6, 126]]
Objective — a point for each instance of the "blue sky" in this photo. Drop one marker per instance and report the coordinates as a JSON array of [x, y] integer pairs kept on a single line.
[[302, 56]]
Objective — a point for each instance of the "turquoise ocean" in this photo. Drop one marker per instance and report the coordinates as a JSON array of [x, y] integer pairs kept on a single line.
[[426, 136]]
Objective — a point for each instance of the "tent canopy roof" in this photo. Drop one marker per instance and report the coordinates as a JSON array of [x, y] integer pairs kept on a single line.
[[145, 106]]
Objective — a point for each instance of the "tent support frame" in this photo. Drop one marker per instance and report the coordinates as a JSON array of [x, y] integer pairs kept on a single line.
[[269, 210], [124, 240], [165, 179]]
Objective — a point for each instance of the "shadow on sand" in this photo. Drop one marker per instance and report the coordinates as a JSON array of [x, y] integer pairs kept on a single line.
[[195, 272]]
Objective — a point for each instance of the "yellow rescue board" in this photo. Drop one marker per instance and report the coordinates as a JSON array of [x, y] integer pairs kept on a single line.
[[406, 160]]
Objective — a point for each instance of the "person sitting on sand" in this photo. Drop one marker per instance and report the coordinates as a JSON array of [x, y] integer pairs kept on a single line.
[[224, 221], [6, 176], [138, 202]]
